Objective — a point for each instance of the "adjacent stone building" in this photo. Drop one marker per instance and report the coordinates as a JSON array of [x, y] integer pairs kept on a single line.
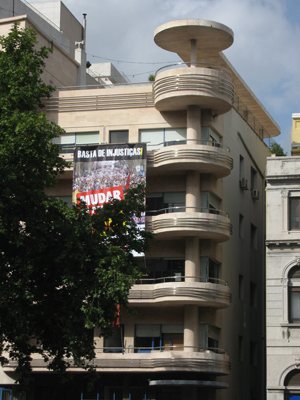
[[283, 278]]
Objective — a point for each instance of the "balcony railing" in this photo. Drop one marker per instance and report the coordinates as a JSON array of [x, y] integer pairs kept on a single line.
[[150, 146], [148, 359], [205, 85], [184, 209], [180, 278], [197, 64], [181, 221], [200, 291], [170, 347], [186, 154], [190, 154]]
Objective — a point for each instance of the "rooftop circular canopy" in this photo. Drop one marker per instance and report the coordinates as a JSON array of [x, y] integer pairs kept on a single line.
[[209, 36]]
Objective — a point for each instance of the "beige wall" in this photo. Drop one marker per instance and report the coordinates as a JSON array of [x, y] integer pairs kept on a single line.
[[295, 134], [237, 257]]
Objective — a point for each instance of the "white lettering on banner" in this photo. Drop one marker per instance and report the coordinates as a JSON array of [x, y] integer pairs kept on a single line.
[[86, 199], [101, 153], [136, 151], [94, 199], [87, 154], [117, 194], [100, 198]]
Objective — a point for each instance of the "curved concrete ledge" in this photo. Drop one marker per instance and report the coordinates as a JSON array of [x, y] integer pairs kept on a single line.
[[208, 88], [209, 35], [207, 361], [203, 158], [186, 382], [202, 294], [182, 224]]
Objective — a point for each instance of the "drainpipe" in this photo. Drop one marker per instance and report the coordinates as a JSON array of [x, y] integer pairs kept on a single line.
[[80, 56]]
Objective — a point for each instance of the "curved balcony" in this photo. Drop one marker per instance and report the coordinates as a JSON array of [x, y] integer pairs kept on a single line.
[[164, 359], [197, 155], [179, 291], [205, 85], [160, 359], [180, 222]]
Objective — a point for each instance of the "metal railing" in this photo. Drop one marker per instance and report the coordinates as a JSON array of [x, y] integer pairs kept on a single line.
[[183, 209], [250, 118], [70, 148], [170, 347], [193, 83], [180, 278], [103, 86], [188, 142], [197, 80], [194, 64]]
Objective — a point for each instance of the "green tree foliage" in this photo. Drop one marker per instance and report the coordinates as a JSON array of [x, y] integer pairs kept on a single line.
[[62, 271], [275, 148]]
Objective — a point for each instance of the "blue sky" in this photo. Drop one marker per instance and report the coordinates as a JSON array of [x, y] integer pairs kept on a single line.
[[265, 52]]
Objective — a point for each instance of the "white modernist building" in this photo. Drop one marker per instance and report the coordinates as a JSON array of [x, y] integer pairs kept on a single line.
[[198, 326], [283, 278]]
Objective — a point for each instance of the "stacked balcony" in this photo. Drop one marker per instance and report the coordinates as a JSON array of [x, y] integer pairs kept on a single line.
[[205, 85]]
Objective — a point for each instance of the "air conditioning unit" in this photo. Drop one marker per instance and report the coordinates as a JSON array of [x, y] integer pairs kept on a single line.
[[255, 194], [244, 184]]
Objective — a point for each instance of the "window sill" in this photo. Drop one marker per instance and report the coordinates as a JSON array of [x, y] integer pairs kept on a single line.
[[291, 324]]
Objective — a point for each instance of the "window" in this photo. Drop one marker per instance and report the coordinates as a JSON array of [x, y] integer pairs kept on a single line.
[[209, 203], [292, 383], [210, 136], [66, 199], [115, 342], [117, 137], [241, 348], [253, 236], [209, 337], [294, 212], [253, 294], [241, 287], [160, 203], [294, 294], [157, 138], [172, 337], [209, 270], [254, 191], [172, 269], [243, 181], [69, 140], [149, 337], [7, 394], [253, 353], [241, 226], [242, 167]]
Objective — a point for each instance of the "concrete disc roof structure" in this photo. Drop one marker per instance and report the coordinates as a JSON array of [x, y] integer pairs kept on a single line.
[[198, 40], [209, 36]]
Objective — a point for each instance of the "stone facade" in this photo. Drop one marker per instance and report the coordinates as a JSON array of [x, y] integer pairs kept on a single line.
[[283, 262]]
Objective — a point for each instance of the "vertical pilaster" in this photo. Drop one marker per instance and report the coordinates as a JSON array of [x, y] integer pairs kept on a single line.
[[191, 328], [192, 259], [192, 198], [193, 124]]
